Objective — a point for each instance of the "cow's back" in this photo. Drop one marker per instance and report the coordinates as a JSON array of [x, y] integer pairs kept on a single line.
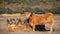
[[40, 18]]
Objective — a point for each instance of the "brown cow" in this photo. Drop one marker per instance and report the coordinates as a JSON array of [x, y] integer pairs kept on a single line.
[[41, 19]]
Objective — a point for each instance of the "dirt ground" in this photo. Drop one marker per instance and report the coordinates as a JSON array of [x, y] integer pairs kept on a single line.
[[3, 26]]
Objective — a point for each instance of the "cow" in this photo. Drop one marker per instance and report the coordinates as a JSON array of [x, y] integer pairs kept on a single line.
[[41, 19]]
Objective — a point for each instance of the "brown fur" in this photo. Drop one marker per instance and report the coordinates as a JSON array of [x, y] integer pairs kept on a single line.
[[41, 19]]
